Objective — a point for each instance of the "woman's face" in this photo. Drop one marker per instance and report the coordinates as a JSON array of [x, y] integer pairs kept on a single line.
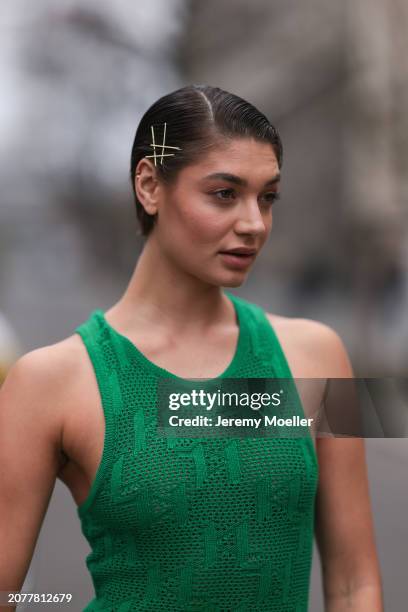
[[222, 202]]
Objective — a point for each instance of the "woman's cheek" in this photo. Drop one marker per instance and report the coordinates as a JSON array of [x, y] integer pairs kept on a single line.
[[207, 225]]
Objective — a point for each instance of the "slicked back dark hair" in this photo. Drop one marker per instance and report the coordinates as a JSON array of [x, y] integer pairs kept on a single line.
[[198, 118]]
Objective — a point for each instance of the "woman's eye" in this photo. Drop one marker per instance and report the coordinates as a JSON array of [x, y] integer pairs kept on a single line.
[[228, 194], [272, 197], [224, 194]]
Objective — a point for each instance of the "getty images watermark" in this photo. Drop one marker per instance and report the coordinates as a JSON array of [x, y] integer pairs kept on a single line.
[[230, 407], [213, 401], [282, 407]]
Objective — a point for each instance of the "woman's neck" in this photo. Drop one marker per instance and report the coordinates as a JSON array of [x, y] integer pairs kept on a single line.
[[161, 293]]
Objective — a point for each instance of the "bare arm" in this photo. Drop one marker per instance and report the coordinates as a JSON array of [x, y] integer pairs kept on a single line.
[[30, 431], [344, 524], [344, 528]]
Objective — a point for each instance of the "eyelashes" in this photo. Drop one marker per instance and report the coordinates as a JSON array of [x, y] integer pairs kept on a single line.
[[218, 194], [275, 196], [229, 194]]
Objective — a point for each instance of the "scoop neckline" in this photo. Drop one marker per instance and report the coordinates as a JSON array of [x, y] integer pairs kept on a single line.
[[166, 373]]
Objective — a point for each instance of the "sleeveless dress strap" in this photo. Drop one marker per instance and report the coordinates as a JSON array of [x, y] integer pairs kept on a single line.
[[265, 343], [106, 376]]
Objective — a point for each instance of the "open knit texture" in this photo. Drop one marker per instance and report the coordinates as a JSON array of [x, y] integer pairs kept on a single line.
[[195, 524]]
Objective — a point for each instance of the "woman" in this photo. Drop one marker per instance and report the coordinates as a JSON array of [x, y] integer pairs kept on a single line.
[[189, 524]]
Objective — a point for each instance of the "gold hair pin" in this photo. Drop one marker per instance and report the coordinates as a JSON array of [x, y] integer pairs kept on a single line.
[[161, 146]]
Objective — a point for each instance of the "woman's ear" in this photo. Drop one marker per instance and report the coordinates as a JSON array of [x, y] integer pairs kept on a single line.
[[147, 186]]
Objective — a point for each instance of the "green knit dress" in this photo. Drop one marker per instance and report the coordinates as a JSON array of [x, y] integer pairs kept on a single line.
[[195, 524]]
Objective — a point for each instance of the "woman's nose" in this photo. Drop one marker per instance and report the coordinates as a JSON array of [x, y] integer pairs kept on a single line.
[[250, 219]]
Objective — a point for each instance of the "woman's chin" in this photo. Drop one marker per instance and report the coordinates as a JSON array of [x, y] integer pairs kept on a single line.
[[232, 285], [234, 282], [235, 278]]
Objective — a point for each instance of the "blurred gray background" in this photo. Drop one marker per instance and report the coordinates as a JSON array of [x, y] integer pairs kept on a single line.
[[76, 78]]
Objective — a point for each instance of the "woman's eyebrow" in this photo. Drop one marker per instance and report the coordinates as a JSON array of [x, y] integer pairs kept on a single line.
[[233, 178]]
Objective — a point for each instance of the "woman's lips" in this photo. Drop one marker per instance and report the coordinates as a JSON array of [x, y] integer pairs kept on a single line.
[[237, 261]]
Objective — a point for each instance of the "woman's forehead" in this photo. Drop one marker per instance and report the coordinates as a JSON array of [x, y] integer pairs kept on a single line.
[[240, 149], [240, 157], [242, 154]]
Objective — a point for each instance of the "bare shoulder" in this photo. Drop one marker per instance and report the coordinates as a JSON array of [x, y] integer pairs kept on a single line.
[[47, 367], [40, 381], [313, 349]]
